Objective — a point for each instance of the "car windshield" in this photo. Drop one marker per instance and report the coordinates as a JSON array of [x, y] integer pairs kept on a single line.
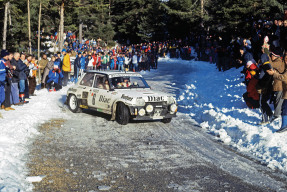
[[129, 82]]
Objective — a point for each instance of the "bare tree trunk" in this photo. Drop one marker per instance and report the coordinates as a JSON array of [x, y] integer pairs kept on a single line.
[[39, 38], [81, 32], [5, 25], [61, 40], [29, 28], [202, 11]]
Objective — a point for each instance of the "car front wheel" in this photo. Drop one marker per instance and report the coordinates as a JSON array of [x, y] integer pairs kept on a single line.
[[122, 114], [73, 104]]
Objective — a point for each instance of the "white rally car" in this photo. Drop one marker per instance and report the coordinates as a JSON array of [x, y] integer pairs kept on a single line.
[[124, 95]]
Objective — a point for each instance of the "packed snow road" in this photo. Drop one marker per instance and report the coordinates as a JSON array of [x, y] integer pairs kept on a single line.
[[87, 152]]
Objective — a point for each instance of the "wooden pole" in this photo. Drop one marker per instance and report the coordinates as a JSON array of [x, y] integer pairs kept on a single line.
[[5, 25], [61, 40], [39, 38], [29, 28]]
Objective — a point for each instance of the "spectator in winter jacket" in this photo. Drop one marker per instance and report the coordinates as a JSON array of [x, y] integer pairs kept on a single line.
[[77, 66], [8, 84], [23, 71], [283, 78], [43, 63], [264, 88], [278, 65], [47, 69], [15, 80], [135, 62], [83, 63], [120, 62], [251, 69], [3, 73], [66, 68], [54, 79], [32, 74]]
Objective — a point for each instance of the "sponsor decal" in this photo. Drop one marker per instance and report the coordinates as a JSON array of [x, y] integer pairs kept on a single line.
[[155, 99], [72, 90], [126, 97], [103, 99], [79, 95], [95, 91], [114, 93], [124, 75]]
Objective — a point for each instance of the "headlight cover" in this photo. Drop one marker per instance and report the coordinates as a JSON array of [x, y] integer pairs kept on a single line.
[[149, 108], [140, 102], [173, 108]]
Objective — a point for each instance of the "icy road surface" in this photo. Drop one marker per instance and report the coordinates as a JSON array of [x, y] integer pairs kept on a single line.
[[87, 152]]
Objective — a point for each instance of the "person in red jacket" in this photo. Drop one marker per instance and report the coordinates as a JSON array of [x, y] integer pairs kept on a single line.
[[251, 97], [251, 69]]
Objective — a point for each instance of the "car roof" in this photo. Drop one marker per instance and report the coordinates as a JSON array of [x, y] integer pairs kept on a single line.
[[114, 72]]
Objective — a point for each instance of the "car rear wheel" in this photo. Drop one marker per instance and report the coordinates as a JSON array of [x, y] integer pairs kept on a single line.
[[73, 104], [122, 114], [168, 120]]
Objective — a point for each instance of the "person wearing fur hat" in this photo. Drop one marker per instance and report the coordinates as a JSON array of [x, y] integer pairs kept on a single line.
[[278, 65]]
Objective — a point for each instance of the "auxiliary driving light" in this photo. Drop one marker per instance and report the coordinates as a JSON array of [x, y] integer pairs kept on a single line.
[[141, 112], [149, 108]]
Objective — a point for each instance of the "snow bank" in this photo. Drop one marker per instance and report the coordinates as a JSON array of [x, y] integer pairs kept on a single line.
[[17, 129], [214, 100]]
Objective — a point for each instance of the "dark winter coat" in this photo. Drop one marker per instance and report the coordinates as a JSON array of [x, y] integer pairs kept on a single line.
[[15, 78], [22, 70], [77, 64]]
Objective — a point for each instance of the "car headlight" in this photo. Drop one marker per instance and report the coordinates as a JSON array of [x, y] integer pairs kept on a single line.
[[140, 102], [149, 108], [170, 100], [173, 108], [141, 112]]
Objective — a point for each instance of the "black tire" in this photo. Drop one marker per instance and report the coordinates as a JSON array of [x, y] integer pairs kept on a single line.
[[122, 114], [73, 104], [168, 120]]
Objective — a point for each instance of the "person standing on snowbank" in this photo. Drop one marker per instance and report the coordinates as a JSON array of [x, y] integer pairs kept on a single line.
[[277, 64], [3, 73], [264, 88], [283, 78]]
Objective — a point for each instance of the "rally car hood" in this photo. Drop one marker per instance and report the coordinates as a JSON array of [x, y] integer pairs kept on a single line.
[[147, 94]]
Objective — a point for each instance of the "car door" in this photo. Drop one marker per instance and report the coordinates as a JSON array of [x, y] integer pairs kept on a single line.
[[86, 86], [102, 99]]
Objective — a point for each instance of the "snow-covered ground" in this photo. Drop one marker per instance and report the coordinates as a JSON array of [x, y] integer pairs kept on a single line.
[[212, 98], [17, 129]]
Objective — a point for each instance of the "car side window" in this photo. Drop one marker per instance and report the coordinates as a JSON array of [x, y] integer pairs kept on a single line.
[[101, 82], [88, 80]]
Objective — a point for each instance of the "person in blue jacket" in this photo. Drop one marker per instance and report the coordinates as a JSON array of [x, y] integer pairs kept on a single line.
[[120, 62], [54, 78], [83, 63], [3, 71]]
